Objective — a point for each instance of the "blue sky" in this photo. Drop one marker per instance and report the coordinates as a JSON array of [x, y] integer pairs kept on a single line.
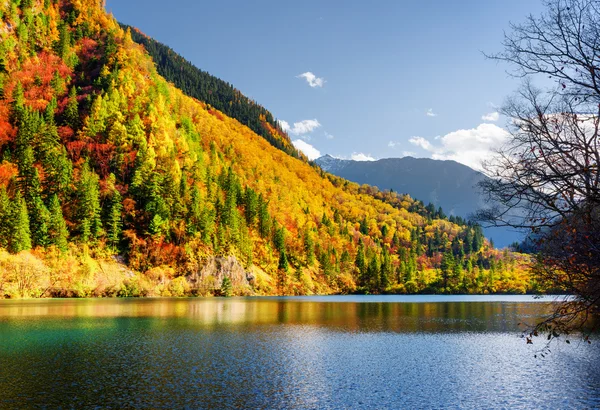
[[385, 78]]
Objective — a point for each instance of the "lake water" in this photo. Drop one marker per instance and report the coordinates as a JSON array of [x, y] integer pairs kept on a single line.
[[300, 352]]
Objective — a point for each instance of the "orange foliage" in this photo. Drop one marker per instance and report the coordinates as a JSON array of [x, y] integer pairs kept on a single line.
[[36, 76], [7, 131], [7, 171]]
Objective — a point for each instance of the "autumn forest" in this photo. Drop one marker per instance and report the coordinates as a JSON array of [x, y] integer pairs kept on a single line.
[[126, 171]]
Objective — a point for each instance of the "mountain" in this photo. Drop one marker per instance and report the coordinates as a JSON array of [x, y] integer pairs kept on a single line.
[[214, 91], [114, 182], [446, 184]]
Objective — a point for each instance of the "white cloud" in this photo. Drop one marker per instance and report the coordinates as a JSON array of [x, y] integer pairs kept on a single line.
[[493, 117], [421, 142], [307, 149], [430, 113], [312, 79], [301, 127], [393, 144], [359, 156], [408, 154], [469, 147], [284, 125], [329, 136]]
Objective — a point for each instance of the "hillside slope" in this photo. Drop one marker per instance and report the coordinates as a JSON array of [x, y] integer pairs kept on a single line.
[[103, 162], [445, 184], [214, 91]]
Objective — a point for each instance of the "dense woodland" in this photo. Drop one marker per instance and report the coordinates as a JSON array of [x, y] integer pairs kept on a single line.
[[113, 182]]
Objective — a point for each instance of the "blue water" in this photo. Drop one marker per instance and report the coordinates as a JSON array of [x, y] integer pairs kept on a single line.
[[313, 352]]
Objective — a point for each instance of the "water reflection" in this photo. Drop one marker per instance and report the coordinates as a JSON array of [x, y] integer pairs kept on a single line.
[[351, 315], [285, 353]]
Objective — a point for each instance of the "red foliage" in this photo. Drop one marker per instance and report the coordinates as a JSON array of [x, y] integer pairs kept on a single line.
[[76, 149], [102, 155], [129, 206], [7, 131], [65, 133], [7, 171], [216, 114], [128, 162], [36, 76], [88, 49]]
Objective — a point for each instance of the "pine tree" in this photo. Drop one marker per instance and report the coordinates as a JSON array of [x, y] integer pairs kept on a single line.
[[71, 112], [283, 261], [250, 206], [57, 227], [20, 237], [360, 260], [447, 266], [5, 214], [279, 238], [88, 205], [386, 270], [29, 183], [113, 221], [364, 226], [309, 248], [264, 219]]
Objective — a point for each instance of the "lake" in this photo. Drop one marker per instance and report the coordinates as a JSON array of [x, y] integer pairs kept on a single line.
[[291, 352]]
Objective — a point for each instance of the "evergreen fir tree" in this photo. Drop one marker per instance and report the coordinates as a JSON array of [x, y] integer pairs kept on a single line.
[[113, 222], [20, 237], [57, 227], [71, 112], [5, 215], [360, 260], [88, 205]]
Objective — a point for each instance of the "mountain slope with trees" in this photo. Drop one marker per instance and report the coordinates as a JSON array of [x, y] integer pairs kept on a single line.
[[213, 91], [114, 182], [446, 184]]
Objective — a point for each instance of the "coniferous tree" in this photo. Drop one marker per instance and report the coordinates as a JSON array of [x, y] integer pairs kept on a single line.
[[57, 227], [195, 214], [29, 183], [71, 112], [364, 226], [264, 219], [386, 270], [309, 248], [5, 215], [113, 222], [446, 266], [20, 238], [360, 260], [88, 205], [279, 238]]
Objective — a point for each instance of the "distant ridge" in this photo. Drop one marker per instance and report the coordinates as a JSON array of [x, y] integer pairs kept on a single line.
[[448, 184]]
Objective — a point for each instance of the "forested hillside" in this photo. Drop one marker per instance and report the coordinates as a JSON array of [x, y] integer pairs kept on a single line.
[[114, 182], [213, 91], [446, 184]]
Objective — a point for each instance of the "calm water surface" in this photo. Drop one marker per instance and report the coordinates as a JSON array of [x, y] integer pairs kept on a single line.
[[312, 352]]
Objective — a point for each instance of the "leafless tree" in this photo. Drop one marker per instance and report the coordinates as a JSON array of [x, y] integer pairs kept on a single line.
[[545, 180]]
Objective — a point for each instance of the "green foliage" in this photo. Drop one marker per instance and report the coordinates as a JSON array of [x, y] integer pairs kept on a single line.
[[57, 227], [113, 220], [71, 112], [129, 164], [88, 205], [226, 288], [20, 236]]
